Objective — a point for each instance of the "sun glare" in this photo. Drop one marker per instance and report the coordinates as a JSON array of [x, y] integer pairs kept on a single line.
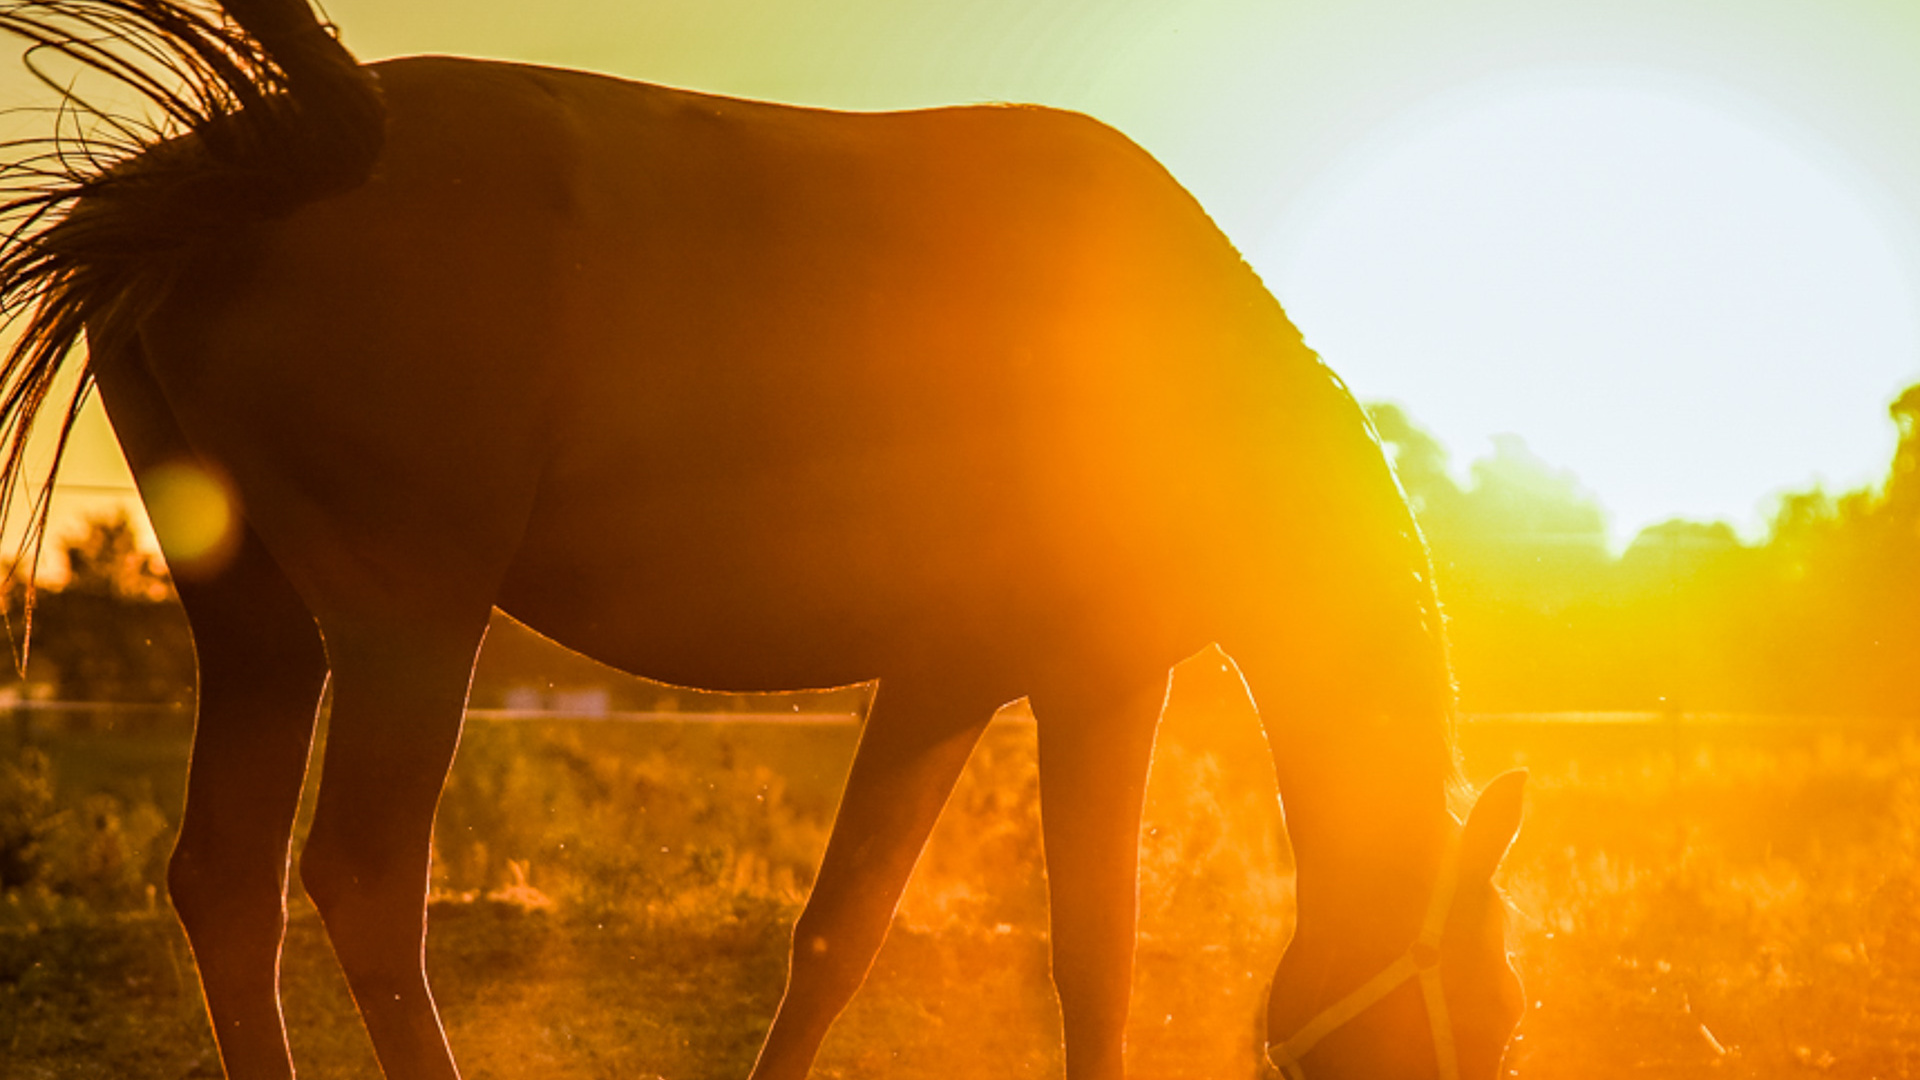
[[1685, 301], [193, 515]]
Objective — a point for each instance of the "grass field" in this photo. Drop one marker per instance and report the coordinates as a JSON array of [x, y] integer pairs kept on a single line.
[[1696, 898]]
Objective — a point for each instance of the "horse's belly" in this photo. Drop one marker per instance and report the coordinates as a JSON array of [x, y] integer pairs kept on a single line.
[[836, 572]]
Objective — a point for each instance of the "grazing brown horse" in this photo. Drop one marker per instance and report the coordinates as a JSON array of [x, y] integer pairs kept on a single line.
[[974, 401]]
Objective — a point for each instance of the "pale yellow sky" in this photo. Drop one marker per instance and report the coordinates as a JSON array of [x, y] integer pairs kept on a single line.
[[1675, 244]]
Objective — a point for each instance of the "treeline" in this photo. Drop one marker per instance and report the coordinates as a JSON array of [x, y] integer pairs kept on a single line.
[[1820, 617]]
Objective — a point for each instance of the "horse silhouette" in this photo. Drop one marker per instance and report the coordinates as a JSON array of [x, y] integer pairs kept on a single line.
[[976, 402]]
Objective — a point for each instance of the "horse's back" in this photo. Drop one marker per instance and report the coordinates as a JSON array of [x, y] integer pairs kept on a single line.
[[680, 378], [841, 380]]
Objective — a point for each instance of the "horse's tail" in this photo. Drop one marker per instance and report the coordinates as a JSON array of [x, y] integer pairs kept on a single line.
[[257, 109]]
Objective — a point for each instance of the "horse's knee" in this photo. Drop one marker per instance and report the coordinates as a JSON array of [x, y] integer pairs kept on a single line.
[[340, 877], [223, 892], [370, 893], [325, 876]]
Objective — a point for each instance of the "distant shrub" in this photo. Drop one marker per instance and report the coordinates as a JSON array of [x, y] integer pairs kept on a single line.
[[537, 814], [590, 819], [26, 810], [58, 863]]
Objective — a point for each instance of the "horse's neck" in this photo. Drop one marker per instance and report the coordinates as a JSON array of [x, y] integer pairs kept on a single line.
[[1367, 856]]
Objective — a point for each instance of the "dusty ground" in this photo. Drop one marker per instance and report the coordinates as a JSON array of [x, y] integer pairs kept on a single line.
[[1695, 899]]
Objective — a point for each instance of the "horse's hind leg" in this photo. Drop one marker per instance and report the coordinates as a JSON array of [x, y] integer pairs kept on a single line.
[[915, 744], [261, 670], [399, 692], [261, 673], [1096, 742]]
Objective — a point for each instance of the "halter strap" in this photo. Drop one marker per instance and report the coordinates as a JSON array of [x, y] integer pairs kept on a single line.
[[1421, 960]]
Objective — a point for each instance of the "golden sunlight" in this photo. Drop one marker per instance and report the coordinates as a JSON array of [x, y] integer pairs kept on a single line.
[[653, 502]]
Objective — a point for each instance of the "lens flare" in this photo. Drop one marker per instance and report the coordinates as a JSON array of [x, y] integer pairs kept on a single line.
[[196, 516]]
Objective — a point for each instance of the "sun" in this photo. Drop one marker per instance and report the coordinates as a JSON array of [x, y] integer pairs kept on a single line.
[[1686, 300]]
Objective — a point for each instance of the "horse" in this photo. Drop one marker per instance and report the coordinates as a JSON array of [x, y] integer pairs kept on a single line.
[[976, 402]]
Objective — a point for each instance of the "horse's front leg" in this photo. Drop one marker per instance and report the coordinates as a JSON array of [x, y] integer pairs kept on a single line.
[[1096, 742], [911, 752], [399, 690]]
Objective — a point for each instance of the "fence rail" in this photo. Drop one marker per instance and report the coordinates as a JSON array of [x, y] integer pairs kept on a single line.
[[132, 710]]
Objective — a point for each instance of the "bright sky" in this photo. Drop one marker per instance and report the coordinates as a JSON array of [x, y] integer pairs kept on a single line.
[[1674, 244], [1684, 301]]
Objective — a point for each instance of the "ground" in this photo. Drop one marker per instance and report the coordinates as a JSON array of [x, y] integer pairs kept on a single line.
[[1693, 897]]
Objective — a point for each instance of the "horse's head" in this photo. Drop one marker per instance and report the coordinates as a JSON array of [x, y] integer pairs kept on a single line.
[[1442, 1007]]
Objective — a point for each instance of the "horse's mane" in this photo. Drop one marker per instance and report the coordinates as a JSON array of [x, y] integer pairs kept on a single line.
[[257, 109]]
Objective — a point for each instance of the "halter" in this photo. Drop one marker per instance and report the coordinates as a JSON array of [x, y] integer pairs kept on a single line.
[[1422, 960]]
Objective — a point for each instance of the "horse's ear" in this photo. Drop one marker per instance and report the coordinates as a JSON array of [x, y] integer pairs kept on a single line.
[[1491, 826]]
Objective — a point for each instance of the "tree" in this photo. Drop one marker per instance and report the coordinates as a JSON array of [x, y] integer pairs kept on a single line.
[[106, 560], [113, 631]]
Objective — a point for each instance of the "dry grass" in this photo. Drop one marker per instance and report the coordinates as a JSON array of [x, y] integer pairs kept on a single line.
[[1737, 898], [1733, 899]]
